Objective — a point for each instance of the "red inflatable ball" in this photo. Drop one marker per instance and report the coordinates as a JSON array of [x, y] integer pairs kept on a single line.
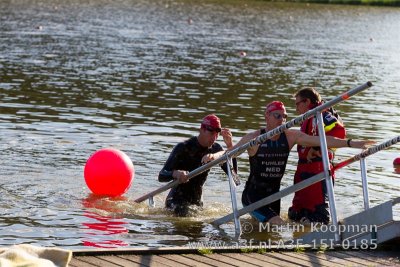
[[109, 172]]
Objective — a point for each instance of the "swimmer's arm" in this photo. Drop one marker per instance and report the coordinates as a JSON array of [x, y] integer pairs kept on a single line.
[[168, 172]]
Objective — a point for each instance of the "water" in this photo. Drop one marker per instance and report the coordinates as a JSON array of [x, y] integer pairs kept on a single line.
[[82, 75]]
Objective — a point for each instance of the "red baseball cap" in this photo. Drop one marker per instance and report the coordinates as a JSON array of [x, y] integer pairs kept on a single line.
[[275, 105], [211, 122]]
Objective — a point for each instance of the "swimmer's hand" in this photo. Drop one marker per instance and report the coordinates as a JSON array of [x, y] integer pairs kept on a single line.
[[181, 176]]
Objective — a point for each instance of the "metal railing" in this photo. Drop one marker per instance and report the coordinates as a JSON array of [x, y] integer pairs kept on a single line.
[[363, 165], [312, 180]]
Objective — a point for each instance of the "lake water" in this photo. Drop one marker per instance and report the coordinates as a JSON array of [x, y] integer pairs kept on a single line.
[[77, 76]]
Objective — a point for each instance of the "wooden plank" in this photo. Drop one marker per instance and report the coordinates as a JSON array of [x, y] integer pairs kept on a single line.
[[308, 258], [366, 256], [385, 254], [165, 261], [352, 255], [118, 260], [148, 260], [311, 259], [289, 259], [232, 259], [135, 259], [94, 261], [269, 260], [329, 256], [206, 260], [351, 260], [325, 256], [75, 262], [249, 257], [183, 260], [133, 251], [225, 258]]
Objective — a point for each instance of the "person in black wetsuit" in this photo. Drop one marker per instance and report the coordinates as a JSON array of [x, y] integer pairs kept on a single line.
[[268, 160], [188, 156]]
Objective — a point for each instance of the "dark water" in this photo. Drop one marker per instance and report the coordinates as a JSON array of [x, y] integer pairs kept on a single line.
[[78, 76]]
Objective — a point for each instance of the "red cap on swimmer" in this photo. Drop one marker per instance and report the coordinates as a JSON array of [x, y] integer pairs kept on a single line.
[[275, 105], [396, 165], [211, 122]]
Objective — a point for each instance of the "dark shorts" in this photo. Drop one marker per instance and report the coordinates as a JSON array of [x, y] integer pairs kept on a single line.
[[265, 213]]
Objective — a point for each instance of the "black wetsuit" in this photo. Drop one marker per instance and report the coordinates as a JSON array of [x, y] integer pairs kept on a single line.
[[267, 168], [187, 156]]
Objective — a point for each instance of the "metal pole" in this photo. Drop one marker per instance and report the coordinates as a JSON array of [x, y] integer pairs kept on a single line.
[[364, 178], [151, 202], [232, 189], [328, 177]]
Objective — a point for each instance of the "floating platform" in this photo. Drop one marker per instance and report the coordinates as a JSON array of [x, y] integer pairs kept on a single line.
[[383, 255]]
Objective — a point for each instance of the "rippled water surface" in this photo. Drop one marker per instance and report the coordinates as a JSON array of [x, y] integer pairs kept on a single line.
[[77, 76]]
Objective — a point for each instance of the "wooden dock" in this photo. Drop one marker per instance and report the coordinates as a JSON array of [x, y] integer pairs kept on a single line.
[[180, 256]]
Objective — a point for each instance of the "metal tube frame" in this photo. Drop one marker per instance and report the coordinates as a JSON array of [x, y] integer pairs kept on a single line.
[[364, 179], [328, 176], [232, 189]]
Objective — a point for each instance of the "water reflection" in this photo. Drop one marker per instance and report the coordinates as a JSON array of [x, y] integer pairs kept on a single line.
[[104, 225], [99, 226]]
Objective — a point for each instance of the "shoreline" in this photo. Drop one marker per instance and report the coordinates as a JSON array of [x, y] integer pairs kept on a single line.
[[394, 3]]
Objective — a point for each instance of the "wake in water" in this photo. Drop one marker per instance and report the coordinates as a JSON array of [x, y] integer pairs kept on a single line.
[[140, 221], [121, 216], [128, 208]]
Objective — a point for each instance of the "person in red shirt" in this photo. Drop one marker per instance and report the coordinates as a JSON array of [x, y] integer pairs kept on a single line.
[[310, 203]]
